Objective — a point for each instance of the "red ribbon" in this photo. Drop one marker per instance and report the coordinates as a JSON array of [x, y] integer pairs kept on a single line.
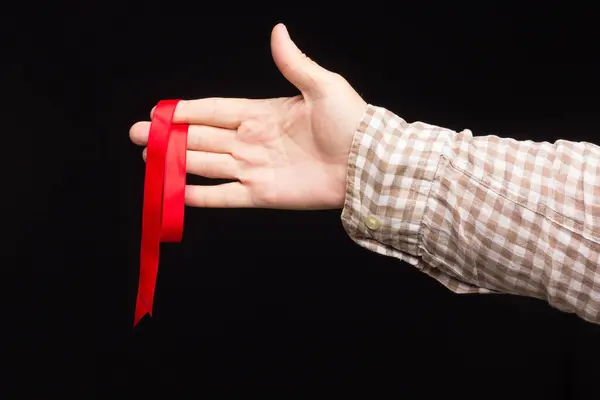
[[164, 198]]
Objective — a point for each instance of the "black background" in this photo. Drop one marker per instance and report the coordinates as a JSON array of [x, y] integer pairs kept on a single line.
[[259, 301]]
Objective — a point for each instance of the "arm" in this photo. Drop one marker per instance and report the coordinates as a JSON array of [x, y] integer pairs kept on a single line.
[[479, 214]]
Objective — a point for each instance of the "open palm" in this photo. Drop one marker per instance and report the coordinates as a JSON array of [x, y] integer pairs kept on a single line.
[[288, 153]]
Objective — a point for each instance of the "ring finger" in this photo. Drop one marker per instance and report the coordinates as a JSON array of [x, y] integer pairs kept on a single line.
[[211, 165]]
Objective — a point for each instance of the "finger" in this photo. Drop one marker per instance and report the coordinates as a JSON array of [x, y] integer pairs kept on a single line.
[[138, 133], [211, 165], [220, 112], [208, 165], [210, 139], [227, 195], [200, 137], [298, 69]]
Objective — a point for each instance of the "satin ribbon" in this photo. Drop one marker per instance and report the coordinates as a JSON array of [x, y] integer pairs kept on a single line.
[[164, 198]]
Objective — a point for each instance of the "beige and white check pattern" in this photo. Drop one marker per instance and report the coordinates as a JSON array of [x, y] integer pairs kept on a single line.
[[481, 214]]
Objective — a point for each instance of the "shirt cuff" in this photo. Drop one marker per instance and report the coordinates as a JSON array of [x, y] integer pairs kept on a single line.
[[390, 174], [392, 168]]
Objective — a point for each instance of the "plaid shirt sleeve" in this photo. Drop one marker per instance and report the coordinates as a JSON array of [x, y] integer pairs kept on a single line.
[[480, 214]]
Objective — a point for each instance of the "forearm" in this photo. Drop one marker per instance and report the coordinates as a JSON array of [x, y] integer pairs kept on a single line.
[[480, 214]]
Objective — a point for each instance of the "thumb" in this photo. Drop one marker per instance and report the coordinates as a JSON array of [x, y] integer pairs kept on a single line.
[[298, 69]]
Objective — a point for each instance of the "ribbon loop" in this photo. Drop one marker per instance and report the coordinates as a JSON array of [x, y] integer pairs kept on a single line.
[[164, 198]]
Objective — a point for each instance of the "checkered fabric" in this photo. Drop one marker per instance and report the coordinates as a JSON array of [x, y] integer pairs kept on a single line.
[[481, 214]]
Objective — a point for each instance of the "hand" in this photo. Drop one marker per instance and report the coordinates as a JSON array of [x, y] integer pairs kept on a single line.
[[285, 153]]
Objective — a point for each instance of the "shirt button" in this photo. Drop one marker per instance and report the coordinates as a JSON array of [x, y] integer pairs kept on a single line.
[[373, 223]]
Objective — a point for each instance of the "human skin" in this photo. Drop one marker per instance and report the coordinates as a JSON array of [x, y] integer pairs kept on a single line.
[[281, 153]]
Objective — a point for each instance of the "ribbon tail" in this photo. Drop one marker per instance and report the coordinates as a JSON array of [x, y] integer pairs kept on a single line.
[[140, 310], [139, 314], [164, 198]]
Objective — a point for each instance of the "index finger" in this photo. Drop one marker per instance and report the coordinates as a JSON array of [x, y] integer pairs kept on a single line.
[[220, 112]]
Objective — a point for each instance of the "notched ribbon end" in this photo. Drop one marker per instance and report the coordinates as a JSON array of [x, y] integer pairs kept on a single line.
[[141, 310]]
